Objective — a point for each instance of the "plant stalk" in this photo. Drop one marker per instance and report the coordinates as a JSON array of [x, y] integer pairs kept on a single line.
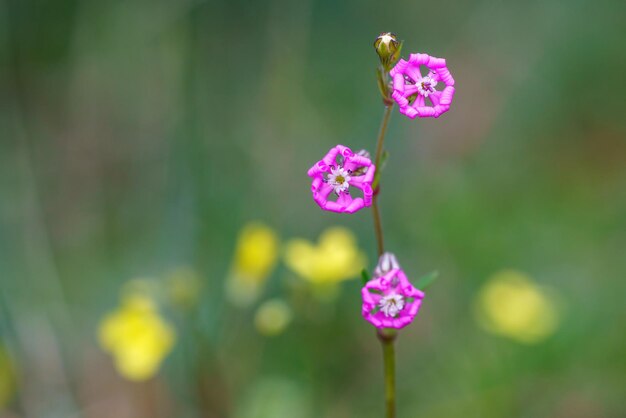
[[386, 337], [379, 151]]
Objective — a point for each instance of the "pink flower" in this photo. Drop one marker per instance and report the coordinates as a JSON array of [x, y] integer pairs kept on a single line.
[[408, 81], [391, 301], [335, 173]]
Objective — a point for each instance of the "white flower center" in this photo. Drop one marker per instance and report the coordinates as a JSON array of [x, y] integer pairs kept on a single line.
[[426, 86], [391, 304], [339, 178]]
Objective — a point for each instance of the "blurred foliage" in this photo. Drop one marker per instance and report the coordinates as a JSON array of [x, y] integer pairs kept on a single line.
[[141, 136], [7, 377], [272, 317], [183, 288]]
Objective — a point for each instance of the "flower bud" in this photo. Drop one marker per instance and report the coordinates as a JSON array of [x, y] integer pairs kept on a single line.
[[388, 49], [386, 263]]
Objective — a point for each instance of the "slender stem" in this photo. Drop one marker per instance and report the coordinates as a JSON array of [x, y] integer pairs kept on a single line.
[[389, 359], [386, 337], [379, 151], [378, 227], [382, 132]]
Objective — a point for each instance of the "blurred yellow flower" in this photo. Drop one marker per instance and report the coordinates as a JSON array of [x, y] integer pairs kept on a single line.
[[335, 258], [137, 337], [272, 317], [7, 378], [183, 287], [510, 304], [255, 256]]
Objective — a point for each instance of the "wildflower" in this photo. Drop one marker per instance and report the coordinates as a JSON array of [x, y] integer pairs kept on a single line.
[[411, 89], [255, 256], [386, 263], [511, 305], [7, 378], [391, 301], [335, 173], [272, 317], [335, 258], [137, 337]]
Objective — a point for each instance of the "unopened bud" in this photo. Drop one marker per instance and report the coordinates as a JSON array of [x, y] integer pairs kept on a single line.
[[386, 263], [387, 47]]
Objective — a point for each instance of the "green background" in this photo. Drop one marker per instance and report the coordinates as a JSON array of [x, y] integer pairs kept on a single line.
[[141, 135]]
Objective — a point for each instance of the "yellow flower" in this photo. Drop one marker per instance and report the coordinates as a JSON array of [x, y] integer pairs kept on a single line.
[[272, 317], [335, 258], [255, 256], [7, 378], [137, 337], [510, 304]]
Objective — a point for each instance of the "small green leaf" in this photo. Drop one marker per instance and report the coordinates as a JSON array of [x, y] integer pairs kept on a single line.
[[423, 282], [365, 276], [382, 81], [376, 180], [383, 159]]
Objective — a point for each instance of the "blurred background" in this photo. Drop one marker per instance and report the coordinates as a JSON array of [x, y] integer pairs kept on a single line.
[[161, 255]]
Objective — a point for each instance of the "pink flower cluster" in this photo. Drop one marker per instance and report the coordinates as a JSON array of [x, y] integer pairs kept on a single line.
[[391, 301], [408, 82], [335, 173]]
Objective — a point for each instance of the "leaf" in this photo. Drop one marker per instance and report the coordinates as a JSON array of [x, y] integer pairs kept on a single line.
[[383, 159], [365, 276], [423, 282], [382, 81], [376, 179]]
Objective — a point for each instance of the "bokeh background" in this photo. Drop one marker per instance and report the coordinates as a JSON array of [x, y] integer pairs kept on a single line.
[[161, 256]]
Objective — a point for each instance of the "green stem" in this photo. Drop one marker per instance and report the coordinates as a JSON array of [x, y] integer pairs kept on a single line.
[[387, 339], [378, 227], [379, 151]]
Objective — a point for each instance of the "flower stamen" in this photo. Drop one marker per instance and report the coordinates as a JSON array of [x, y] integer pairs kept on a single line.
[[391, 304], [339, 178], [426, 85]]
